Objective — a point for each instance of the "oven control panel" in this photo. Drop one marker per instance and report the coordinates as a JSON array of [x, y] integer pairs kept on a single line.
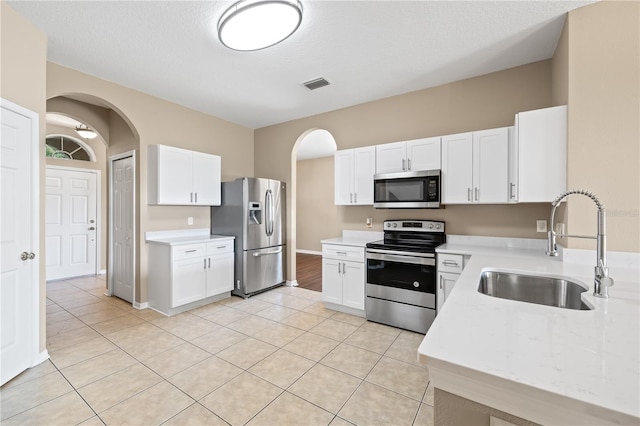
[[414, 225]]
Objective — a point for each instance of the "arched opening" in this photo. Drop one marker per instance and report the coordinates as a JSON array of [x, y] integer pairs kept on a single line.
[[312, 201], [115, 136]]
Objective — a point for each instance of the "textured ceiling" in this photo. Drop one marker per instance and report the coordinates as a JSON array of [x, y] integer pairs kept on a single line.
[[368, 50]]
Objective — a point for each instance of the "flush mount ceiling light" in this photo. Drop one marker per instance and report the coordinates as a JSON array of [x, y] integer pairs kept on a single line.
[[85, 132], [256, 24]]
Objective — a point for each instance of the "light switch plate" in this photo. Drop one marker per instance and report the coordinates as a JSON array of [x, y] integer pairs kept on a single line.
[[189, 220]]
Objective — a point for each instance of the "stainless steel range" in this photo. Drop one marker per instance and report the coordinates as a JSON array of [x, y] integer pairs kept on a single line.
[[401, 274]]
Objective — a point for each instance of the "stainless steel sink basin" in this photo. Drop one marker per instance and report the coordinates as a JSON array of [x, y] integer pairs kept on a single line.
[[542, 290]]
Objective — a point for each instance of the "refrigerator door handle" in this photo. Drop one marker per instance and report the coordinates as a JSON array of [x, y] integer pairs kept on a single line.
[[269, 212], [266, 253]]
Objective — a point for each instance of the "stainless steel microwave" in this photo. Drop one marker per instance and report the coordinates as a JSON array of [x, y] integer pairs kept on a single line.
[[407, 190]]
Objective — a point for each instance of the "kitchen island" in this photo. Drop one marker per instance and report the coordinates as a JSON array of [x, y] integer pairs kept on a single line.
[[544, 364]]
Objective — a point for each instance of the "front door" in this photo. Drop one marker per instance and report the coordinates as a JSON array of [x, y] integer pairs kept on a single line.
[[71, 228], [18, 237], [122, 180]]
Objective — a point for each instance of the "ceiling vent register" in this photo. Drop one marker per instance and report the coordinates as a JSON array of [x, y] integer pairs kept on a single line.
[[316, 84]]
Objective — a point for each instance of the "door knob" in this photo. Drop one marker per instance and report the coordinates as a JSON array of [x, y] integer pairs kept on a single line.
[[27, 256], [92, 228]]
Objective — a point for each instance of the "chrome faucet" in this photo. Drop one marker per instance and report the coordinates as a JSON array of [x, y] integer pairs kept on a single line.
[[602, 280]]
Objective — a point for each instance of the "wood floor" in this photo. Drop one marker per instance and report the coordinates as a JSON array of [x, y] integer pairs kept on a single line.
[[309, 271]]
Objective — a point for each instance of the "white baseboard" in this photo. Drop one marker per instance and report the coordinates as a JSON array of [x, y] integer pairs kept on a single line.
[[143, 305], [40, 358], [315, 252], [293, 283], [102, 272]]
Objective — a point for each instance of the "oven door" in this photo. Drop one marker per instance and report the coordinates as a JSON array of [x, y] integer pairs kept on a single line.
[[390, 272]]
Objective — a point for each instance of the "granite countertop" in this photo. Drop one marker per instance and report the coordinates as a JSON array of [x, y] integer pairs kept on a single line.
[[546, 364]]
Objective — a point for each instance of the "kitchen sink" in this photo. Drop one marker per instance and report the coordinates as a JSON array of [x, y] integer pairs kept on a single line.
[[558, 292]]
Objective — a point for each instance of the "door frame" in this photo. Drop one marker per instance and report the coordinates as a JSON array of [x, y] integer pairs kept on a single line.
[[98, 174], [111, 248], [36, 356]]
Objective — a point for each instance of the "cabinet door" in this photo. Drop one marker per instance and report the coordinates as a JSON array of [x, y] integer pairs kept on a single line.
[[344, 177], [491, 166], [173, 175], [391, 157], [445, 285], [353, 285], [457, 163], [423, 154], [188, 281], [364, 163], [220, 273], [206, 179], [332, 281], [542, 154]]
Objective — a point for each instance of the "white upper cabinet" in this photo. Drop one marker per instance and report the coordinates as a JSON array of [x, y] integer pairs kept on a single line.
[[539, 155], [408, 156], [354, 170], [181, 177], [475, 167]]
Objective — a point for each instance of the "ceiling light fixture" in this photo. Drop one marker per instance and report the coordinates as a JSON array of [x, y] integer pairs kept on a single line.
[[257, 24], [85, 132]]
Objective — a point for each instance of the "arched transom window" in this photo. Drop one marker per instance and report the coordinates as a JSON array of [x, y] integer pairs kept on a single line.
[[59, 146]]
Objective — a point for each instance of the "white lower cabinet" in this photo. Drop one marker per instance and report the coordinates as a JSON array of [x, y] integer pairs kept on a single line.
[[450, 267], [343, 277], [185, 276]]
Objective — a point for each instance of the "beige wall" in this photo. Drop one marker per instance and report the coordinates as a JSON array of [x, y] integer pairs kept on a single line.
[[156, 121], [316, 214], [23, 53], [483, 102], [604, 121], [99, 148]]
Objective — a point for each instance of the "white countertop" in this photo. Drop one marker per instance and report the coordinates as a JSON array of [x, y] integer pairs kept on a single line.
[[546, 364], [355, 238], [182, 237]]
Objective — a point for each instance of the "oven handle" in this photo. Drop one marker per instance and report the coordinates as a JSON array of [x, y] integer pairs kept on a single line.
[[401, 253], [416, 260]]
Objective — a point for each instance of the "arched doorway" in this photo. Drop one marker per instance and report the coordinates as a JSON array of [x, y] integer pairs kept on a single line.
[[116, 140], [312, 200]]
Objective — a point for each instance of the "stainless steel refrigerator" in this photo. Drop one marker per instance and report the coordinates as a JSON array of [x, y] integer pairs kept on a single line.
[[253, 211]]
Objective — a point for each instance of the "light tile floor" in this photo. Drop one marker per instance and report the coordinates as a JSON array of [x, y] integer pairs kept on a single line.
[[277, 358]]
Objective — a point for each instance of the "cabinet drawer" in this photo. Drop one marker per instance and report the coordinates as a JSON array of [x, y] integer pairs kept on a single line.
[[188, 251], [450, 263], [352, 253], [219, 247]]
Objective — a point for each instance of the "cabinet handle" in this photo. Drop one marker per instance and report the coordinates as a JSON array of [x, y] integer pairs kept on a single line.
[[468, 194], [409, 164], [441, 282], [476, 192], [205, 263], [191, 197], [339, 270], [344, 268], [221, 247], [403, 168], [341, 253], [190, 251], [351, 197], [450, 263], [511, 192], [209, 263], [355, 197], [196, 197]]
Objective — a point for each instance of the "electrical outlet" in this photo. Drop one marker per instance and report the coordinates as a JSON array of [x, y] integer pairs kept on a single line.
[[189, 220], [541, 226], [369, 222]]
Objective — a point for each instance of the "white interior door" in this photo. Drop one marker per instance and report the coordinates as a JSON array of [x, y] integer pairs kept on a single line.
[[71, 228], [19, 281], [122, 223]]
